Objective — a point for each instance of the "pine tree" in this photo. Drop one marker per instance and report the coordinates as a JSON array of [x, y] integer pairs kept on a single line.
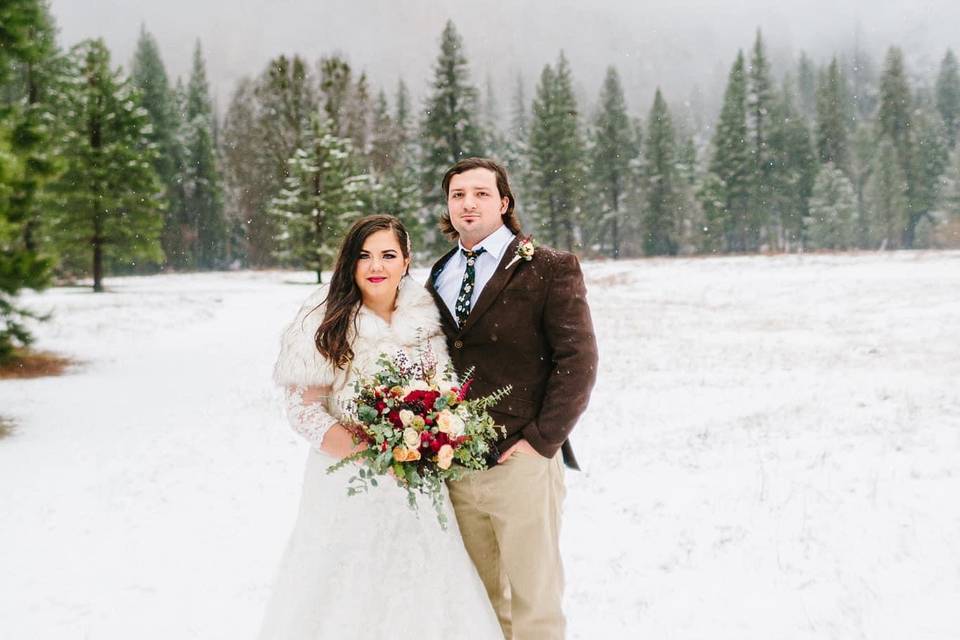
[[402, 115], [887, 198], [733, 165], [396, 191], [793, 168], [931, 157], [863, 83], [557, 157], [493, 136], [150, 78], [610, 157], [895, 122], [358, 116], [660, 182], [336, 86], [948, 96], [831, 132], [321, 197], [516, 152], [266, 122], [833, 208], [384, 137], [863, 149], [204, 194], [448, 130], [28, 58], [250, 177], [807, 87], [759, 104], [110, 192]]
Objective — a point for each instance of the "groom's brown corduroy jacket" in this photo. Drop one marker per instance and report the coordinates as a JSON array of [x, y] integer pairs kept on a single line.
[[531, 329]]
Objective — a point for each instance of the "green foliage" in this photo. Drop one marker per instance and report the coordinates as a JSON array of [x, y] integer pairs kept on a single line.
[[660, 182], [109, 192], [448, 131], [29, 65], [732, 164], [760, 98], [792, 170], [321, 197], [887, 199], [612, 152], [831, 129], [557, 158], [948, 96], [203, 194], [149, 76], [833, 209]]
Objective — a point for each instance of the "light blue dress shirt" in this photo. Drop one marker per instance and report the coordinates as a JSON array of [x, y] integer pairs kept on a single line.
[[451, 277]]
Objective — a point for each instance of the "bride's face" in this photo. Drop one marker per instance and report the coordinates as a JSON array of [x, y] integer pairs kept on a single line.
[[380, 266]]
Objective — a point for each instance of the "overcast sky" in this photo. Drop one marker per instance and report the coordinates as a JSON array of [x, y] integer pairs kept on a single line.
[[671, 43]]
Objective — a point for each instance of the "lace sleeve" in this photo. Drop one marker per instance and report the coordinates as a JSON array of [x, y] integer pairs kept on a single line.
[[307, 413]]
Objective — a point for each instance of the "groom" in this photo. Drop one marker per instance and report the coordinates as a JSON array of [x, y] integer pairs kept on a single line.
[[518, 315]]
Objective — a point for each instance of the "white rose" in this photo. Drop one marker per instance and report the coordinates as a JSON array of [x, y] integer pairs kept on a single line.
[[450, 424], [411, 438], [406, 416]]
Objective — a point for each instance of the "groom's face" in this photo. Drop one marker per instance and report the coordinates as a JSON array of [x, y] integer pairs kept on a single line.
[[475, 205]]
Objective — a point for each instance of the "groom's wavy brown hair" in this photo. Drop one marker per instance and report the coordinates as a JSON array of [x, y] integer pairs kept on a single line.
[[343, 297]]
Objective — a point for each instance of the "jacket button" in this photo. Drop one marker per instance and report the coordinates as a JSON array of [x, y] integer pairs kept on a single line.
[[458, 344]]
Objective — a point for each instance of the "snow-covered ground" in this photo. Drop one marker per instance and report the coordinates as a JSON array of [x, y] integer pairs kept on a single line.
[[772, 452]]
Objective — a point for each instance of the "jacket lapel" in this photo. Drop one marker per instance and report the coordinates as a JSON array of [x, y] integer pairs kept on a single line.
[[495, 285], [445, 314]]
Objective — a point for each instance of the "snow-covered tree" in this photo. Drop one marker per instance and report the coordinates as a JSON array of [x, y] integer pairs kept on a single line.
[[322, 195], [833, 208]]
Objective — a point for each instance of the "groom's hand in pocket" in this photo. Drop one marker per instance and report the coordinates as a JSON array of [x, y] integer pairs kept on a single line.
[[522, 447]]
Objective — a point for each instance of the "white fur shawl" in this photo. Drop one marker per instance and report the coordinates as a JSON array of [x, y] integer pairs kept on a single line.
[[414, 324]]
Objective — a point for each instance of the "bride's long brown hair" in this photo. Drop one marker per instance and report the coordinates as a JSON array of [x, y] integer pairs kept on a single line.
[[343, 297]]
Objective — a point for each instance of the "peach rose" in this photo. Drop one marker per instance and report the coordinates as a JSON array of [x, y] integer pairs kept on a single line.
[[403, 454], [445, 456]]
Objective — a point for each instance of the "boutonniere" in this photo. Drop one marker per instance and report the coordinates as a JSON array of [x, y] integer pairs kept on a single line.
[[525, 250]]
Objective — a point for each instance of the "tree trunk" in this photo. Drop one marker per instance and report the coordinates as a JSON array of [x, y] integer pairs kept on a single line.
[[97, 265]]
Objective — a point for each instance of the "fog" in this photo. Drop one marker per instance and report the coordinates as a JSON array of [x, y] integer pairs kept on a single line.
[[674, 44]]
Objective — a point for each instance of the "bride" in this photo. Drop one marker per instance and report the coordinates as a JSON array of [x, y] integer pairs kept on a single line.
[[365, 566]]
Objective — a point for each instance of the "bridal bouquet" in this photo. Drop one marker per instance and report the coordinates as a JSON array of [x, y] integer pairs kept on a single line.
[[418, 426]]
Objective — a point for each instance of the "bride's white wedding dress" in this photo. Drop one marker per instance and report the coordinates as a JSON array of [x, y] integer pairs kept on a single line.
[[367, 566]]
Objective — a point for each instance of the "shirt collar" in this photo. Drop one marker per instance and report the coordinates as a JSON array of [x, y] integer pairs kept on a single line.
[[494, 244]]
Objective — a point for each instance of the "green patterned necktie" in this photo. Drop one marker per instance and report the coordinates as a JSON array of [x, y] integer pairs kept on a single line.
[[466, 289]]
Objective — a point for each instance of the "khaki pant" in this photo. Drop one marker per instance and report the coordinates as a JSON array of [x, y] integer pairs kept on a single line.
[[509, 517]]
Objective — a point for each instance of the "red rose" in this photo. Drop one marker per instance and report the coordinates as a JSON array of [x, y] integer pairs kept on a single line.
[[394, 418]]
